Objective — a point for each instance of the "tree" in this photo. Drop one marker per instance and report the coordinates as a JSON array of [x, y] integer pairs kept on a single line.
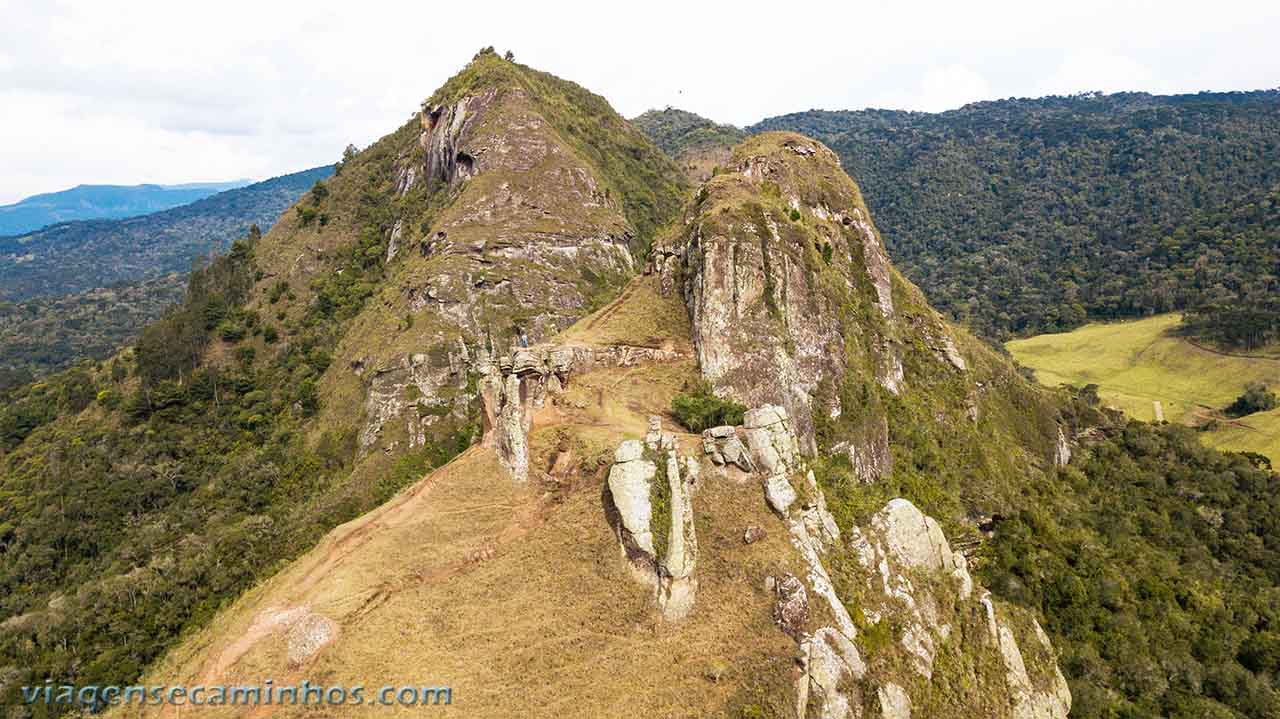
[[1256, 398]]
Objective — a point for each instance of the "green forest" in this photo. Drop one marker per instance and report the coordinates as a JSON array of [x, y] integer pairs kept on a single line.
[[1021, 216], [1155, 562], [141, 494]]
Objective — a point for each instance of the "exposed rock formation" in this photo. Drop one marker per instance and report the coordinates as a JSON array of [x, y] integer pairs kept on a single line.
[[308, 636], [723, 447], [642, 472], [908, 579], [1062, 451], [773, 255], [501, 227], [426, 384]]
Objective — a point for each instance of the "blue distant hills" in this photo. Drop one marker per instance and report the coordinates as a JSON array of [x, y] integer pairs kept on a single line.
[[71, 257], [106, 202]]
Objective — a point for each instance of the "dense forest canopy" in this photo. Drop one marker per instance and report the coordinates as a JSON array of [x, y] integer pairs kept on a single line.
[[1027, 216]]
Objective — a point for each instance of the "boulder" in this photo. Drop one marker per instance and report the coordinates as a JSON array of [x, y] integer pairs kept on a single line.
[[912, 538], [894, 702], [630, 481], [724, 431], [791, 608], [629, 450], [734, 453], [308, 636], [779, 492]]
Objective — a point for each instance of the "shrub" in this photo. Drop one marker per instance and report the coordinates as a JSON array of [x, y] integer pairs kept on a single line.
[[230, 331], [1256, 398], [697, 408]]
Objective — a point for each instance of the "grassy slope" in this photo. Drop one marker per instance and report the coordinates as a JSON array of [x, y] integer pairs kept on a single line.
[[468, 580], [1137, 363]]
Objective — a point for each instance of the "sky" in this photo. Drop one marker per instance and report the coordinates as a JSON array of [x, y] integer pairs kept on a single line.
[[138, 91]]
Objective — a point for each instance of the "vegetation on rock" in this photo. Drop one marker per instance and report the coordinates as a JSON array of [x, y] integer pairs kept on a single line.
[[1024, 216], [698, 408]]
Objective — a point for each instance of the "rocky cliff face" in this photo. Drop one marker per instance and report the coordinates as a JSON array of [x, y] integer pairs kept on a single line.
[[792, 296], [502, 213]]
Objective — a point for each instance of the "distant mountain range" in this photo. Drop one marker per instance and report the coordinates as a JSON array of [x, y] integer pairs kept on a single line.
[[103, 202], [73, 257]]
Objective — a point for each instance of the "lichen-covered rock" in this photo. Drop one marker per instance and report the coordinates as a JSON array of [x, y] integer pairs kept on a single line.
[[832, 664], [779, 492], [912, 538], [677, 585], [631, 486], [911, 580], [791, 605], [772, 441], [630, 481], [431, 387], [894, 702], [722, 446]]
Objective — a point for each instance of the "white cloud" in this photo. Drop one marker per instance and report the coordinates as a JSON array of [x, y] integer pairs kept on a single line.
[[1096, 69], [151, 91], [939, 88]]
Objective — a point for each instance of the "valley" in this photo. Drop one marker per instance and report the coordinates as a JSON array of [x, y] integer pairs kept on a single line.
[[1138, 363]]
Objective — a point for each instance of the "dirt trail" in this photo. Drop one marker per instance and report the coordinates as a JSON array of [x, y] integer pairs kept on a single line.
[[345, 541]]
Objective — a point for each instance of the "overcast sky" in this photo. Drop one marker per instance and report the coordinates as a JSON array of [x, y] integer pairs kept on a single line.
[[170, 91]]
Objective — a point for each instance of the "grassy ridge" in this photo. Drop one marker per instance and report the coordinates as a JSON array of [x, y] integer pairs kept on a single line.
[[1138, 363]]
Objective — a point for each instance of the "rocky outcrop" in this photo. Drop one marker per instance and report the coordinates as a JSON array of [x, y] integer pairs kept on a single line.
[[511, 390], [425, 389], [631, 486], [912, 587], [1062, 450], [420, 388], [789, 289], [723, 446], [504, 229], [308, 636], [661, 551]]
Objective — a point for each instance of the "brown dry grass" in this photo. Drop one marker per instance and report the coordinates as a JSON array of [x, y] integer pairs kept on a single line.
[[641, 316], [547, 622]]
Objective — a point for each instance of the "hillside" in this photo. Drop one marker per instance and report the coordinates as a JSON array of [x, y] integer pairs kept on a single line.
[[1138, 363], [697, 144], [102, 202], [73, 257], [1021, 216], [306, 377], [621, 563], [741, 469], [46, 334]]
